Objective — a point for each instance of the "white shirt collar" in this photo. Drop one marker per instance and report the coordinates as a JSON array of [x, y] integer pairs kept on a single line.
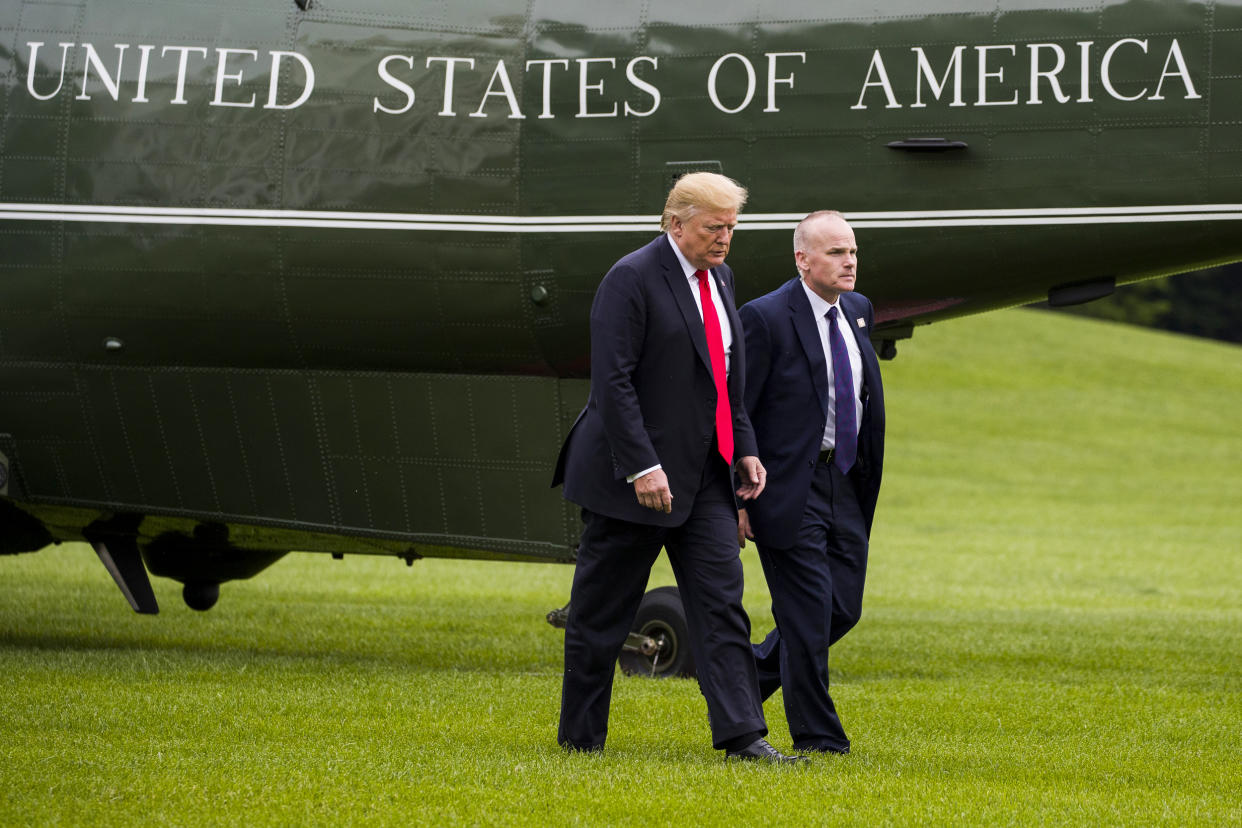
[[688, 269], [819, 305]]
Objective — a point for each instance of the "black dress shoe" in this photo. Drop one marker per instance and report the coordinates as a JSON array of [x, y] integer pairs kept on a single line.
[[760, 751]]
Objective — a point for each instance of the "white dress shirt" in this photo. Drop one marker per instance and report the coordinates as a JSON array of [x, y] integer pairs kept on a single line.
[[820, 308]]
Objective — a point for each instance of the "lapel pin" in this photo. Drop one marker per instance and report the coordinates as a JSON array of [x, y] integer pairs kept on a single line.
[[862, 323]]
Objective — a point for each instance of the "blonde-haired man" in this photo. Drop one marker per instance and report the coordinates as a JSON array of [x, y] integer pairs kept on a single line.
[[699, 192], [650, 462]]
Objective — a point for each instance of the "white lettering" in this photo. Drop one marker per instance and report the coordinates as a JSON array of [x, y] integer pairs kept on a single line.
[[396, 83], [750, 83], [1050, 74], [642, 85], [984, 74], [1084, 50], [113, 85], [30, 70], [877, 67], [222, 58], [937, 88], [773, 80], [450, 66], [547, 81], [1107, 80], [506, 90], [1175, 54], [584, 67], [730, 90], [144, 61], [179, 98], [274, 83]]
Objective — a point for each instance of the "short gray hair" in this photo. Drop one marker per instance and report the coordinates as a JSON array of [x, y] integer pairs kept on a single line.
[[800, 232]]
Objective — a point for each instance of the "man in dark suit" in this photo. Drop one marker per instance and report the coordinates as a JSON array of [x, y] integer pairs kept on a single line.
[[649, 461], [814, 396]]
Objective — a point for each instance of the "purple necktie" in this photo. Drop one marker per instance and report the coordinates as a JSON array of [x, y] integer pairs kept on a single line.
[[846, 449]]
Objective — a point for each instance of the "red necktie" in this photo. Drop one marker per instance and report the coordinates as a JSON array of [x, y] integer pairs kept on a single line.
[[715, 349]]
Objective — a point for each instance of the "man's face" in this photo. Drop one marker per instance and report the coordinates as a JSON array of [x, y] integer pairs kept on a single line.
[[829, 264], [704, 238]]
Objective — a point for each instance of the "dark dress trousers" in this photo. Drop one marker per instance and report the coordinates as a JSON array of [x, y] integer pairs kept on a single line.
[[812, 523], [652, 401]]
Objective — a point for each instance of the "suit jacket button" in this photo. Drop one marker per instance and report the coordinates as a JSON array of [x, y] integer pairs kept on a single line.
[[811, 464]]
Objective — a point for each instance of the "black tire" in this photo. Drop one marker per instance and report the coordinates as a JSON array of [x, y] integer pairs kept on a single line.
[[200, 595], [662, 617]]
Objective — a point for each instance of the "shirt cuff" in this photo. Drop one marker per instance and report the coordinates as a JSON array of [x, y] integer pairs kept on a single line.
[[634, 477]]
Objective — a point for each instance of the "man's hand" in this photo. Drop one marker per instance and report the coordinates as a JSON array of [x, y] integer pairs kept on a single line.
[[753, 476], [743, 529], [652, 491]]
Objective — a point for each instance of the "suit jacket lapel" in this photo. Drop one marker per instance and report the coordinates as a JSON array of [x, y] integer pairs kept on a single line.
[[871, 364], [680, 287], [807, 329]]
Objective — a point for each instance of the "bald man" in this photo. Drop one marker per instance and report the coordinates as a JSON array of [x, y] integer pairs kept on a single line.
[[816, 403]]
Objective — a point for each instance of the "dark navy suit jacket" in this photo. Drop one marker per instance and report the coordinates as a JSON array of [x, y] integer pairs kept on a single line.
[[652, 398], [787, 399]]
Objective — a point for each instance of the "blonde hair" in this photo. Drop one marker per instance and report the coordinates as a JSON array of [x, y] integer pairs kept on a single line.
[[701, 192]]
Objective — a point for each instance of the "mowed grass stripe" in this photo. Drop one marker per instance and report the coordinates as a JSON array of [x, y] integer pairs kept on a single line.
[[1052, 634]]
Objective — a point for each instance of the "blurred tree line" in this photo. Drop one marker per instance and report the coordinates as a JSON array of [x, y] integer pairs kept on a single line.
[[1204, 303]]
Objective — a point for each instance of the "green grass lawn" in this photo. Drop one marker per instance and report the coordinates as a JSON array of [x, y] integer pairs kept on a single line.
[[1052, 634]]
